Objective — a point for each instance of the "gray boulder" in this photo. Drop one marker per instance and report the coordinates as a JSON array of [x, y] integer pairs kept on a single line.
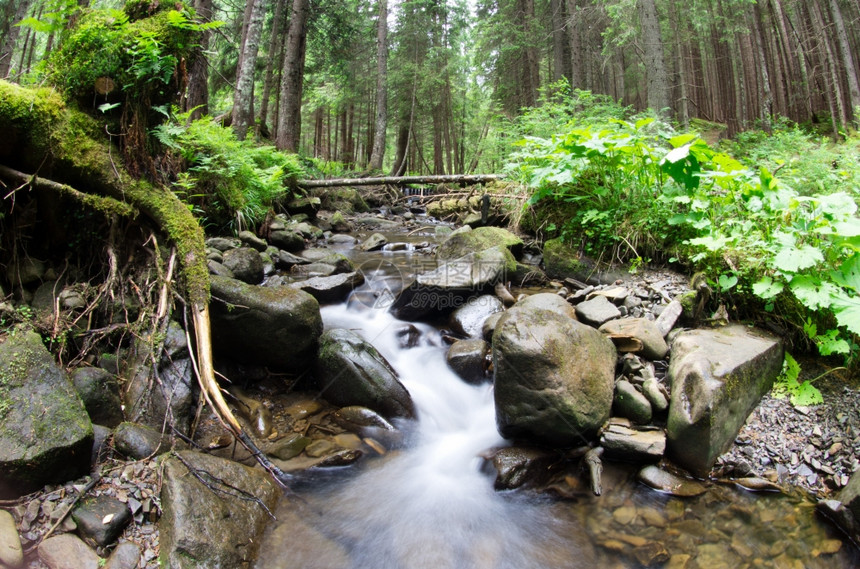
[[718, 376], [624, 442], [631, 403], [333, 288], [468, 319], [463, 243], [351, 372], [277, 327], [11, 553], [223, 243], [45, 433], [287, 240], [67, 551], [245, 264], [101, 519], [548, 301], [450, 284], [374, 242], [329, 257], [202, 529], [466, 358], [140, 441], [653, 345], [518, 466], [554, 377], [99, 391], [597, 311], [251, 240]]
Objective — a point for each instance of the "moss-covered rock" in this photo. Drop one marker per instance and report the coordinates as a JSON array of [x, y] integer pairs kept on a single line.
[[462, 243], [45, 433], [351, 372], [563, 262], [277, 327]]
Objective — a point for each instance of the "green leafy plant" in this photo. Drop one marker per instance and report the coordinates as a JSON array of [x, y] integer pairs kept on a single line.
[[229, 182], [801, 394]]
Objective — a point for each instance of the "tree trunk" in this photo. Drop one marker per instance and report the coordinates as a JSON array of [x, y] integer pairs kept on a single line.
[[560, 56], [290, 118], [655, 66], [271, 58], [847, 57], [197, 92], [400, 180], [573, 38], [381, 125], [10, 33], [243, 97]]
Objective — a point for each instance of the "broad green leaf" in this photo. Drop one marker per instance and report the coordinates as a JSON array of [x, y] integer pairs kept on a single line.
[[643, 122], [790, 368], [727, 282], [793, 259], [813, 293], [677, 154], [848, 274], [830, 343], [683, 139], [847, 310], [767, 288], [839, 203], [848, 228], [806, 395]]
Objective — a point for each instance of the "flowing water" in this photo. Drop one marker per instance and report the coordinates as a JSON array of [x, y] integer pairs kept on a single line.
[[431, 505]]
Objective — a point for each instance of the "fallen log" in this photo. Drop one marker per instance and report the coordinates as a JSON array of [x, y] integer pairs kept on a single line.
[[400, 180]]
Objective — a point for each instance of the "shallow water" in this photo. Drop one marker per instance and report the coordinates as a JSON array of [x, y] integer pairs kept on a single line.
[[432, 506]]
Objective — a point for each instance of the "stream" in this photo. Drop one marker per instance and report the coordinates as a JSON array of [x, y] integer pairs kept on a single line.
[[432, 505]]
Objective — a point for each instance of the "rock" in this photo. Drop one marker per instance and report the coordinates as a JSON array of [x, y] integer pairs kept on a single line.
[[307, 205], [548, 301], [319, 447], [307, 547], [378, 223], [287, 260], [140, 441], [277, 327], [312, 270], [200, 528], [563, 262], [466, 358], [334, 288], [351, 372], [99, 391], [287, 240], [669, 317], [616, 295], [554, 377], [307, 230], [516, 466], [663, 481], [342, 457], [468, 319], [100, 444], [374, 242], [451, 283], [630, 403], [653, 345], [342, 240], [408, 336], [489, 326], [126, 555], [597, 311], [651, 554], [101, 519], [464, 243], [223, 243], [216, 268], [718, 376], [67, 551], [245, 264], [290, 446], [45, 433], [251, 240], [655, 394], [329, 257], [11, 553], [26, 271], [622, 442], [173, 393], [356, 418]]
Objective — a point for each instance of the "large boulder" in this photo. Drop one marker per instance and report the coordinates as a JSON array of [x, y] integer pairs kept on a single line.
[[554, 377], [718, 376], [45, 433], [334, 288], [468, 319], [463, 243], [99, 391], [653, 345], [245, 264], [548, 301], [351, 372], [277, 327], [205, 529], [451, 283], [561, 261]]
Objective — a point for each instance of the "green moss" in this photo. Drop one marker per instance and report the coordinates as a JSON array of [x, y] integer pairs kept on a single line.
[[561, 261]]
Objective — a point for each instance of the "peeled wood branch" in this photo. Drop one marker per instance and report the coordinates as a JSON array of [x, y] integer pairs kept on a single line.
[[595, 469], [400, 180]]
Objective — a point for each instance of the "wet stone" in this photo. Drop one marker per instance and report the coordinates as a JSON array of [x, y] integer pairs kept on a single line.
[[67, 551], [669, 483], [290, 446], [125, 556], [343, 457], [11, 554], [629, 402], [319, 448], [101, 519]]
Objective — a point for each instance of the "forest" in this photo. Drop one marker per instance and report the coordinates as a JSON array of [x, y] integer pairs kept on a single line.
[[425, 86], [716, 134]]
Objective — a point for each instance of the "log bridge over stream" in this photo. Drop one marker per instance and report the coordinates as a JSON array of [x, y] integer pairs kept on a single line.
[[462, 179]]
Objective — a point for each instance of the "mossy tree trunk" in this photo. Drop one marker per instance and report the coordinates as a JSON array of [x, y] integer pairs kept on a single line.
[[45, 137]]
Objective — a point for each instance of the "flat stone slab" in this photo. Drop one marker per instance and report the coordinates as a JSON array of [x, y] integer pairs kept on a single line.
[[624, 442], [597, 311], [669, 483], [718, 376]]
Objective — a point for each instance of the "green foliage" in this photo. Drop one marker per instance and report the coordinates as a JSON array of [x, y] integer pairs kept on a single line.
[[228, 181], [802, 394], [609, 179], [139, 54]]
